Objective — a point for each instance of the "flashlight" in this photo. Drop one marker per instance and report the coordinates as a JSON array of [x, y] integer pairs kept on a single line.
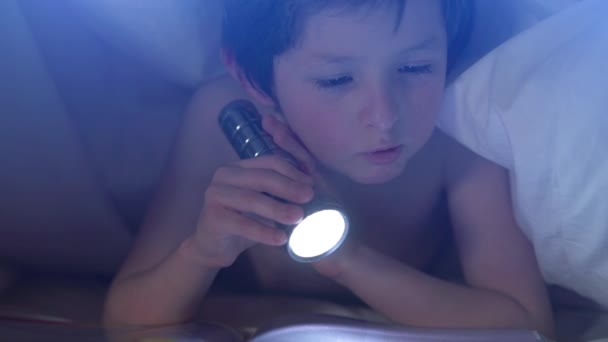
[[325, 224]]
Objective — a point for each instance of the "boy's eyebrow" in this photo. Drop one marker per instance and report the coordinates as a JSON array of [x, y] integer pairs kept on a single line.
[[333, 59], [427, 44]]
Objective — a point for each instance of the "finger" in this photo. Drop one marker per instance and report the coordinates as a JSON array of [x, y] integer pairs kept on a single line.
[[267, 181], [278, 164], [250, 228], [284, 137], [253, 202]]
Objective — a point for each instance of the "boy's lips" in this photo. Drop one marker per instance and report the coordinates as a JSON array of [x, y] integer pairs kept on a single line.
[[385, 155]]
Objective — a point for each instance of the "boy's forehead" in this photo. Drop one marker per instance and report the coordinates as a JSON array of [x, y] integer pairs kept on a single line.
[[333, 28]]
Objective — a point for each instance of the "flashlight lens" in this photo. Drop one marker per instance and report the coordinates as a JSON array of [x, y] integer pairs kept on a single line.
[[317, 234]]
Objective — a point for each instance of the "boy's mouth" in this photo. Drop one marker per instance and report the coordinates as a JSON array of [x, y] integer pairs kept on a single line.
[[384, 155]]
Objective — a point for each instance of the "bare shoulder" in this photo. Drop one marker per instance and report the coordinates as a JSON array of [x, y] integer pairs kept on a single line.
[[200, 134], [214, 94], [478, 191]]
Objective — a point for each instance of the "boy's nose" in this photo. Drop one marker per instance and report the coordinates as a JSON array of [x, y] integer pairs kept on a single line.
[[382, 111]]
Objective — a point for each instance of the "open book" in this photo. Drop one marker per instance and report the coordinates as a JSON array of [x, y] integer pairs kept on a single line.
[[300, 328]]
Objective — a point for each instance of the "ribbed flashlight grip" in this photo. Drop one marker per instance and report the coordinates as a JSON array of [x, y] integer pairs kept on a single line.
[[242, 125]]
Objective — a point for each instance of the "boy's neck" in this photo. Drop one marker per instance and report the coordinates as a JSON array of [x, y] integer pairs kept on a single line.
[[345, 187]]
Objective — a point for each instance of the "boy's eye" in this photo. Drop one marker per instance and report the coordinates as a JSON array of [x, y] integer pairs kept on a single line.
[[416, 69], [333, 82]]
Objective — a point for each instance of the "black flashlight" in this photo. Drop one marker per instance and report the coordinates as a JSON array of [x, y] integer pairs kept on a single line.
[[325, 224]]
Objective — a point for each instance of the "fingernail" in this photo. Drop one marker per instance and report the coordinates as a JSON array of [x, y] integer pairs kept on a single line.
[[280, 238], [296, 215], [307, 195]]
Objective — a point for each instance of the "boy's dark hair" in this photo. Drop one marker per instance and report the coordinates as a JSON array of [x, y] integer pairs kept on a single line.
[[256, 31]]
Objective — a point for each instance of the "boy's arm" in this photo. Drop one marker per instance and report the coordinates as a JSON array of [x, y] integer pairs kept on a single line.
[[504, 288], [161, 281], [494, 252]]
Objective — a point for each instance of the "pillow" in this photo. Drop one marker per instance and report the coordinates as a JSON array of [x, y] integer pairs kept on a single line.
[[178, 39], [538, 106], [497, 21]]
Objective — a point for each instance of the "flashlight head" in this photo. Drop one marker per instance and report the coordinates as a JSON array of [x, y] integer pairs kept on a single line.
[[320, 233]]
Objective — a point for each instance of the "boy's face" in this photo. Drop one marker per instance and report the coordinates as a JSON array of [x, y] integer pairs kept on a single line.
[[361, 92]]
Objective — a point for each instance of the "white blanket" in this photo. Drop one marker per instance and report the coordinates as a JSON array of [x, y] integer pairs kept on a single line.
[[538, 105]]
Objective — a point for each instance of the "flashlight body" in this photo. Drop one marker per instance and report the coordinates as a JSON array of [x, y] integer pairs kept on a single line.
[[242, 125]]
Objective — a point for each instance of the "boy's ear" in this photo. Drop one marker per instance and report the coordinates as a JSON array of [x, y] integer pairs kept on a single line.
[[237, 73]]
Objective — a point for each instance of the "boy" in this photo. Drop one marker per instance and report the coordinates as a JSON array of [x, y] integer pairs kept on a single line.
[[351, 89]]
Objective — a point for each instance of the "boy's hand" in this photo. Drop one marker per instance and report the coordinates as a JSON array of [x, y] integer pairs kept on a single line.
[[238, 211], [337, 265]]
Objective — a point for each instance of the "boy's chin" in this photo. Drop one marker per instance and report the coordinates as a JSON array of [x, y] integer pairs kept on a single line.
[[376, 176]]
